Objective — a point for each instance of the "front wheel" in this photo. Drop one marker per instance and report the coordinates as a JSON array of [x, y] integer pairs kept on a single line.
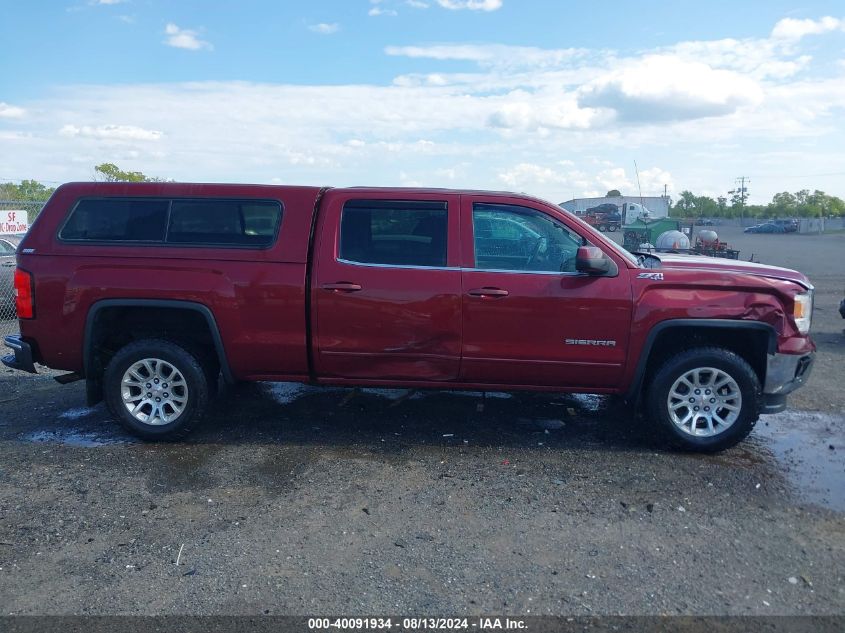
[[705, 399], [157, 389]]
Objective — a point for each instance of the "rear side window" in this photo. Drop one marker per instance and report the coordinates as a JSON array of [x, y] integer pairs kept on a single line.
[[394, 232], [117, 220], [226, 222], [178, 221]]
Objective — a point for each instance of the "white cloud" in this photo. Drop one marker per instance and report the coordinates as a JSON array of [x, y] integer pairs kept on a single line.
[[8, 111], [667, 88], [567, 177], [107, 2], [793, 29], [529, 112], [472, 5], [376, 11], [527, 174], [417, 4], [111, 132], [185, 38], [492, 55], [325, 28]]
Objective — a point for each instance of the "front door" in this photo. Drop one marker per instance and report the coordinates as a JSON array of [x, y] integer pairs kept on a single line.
[[386, 287], [529, 317]]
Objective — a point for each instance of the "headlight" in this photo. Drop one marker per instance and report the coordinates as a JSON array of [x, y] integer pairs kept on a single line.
[[802, 311]]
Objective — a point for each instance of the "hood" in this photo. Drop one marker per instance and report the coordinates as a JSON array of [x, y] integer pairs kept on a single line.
[[670, 260]]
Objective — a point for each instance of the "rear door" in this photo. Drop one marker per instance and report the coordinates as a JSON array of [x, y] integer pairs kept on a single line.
[[386, 287], [528, 317]]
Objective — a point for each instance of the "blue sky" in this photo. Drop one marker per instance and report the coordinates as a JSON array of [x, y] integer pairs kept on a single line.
[[557, 99]]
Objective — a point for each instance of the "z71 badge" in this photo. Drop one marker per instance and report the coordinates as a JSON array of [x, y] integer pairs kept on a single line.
[[652, 276]]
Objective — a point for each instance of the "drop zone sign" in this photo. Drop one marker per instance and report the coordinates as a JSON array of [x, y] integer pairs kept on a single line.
[[14, 221]]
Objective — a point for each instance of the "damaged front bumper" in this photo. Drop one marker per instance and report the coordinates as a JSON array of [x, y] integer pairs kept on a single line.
[[784, 374]]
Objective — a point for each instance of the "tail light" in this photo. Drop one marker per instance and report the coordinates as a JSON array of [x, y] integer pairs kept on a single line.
[[24, 294]]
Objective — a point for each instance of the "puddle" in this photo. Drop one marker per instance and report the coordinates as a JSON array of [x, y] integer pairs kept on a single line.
[[75, 414], [800, 441], [286, 392], [77, 437], [589, 401]]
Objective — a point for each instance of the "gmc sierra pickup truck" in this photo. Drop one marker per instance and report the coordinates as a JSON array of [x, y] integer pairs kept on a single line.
[[150, 291]]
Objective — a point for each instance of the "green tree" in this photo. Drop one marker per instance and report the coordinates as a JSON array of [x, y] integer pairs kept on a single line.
[[784, 203], [109, 172], [27, 191], [685, 206], [613, 193]]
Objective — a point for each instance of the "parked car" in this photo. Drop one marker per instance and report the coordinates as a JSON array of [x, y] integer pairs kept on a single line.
[[766, 227], [789, 225], [8, 249], [704, 222], [605, 207], [150, 291]]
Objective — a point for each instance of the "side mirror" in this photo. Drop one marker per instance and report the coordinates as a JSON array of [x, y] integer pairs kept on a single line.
[[591, 260]]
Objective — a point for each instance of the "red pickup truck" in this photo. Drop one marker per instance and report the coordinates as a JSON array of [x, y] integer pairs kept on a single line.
[[150, 291]]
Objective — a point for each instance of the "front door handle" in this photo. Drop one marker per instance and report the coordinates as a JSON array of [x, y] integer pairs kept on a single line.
[[342, 286], [488, 292]]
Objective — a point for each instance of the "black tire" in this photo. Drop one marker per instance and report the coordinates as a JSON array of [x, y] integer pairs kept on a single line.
[[702, 358], [612, 228], [602, 228], [196, 394]]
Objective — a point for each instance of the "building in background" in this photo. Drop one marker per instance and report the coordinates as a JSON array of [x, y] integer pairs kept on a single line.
[[658, 206]]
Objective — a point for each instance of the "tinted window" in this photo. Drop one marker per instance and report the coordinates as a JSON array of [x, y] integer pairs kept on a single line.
[[508, 237], [121, 220], [225, 222], [401, 233], [244, 223]]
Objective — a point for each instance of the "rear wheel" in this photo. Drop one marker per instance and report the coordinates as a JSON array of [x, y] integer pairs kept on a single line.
[[705, 399], [612, 228], [156, 389], [602, 227]]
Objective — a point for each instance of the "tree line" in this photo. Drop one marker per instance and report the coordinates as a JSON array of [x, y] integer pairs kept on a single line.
[[34, 191], [801, 204]]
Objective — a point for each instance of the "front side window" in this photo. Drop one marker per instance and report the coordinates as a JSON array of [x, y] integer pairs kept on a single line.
[[117, 220], [394, 232], [514, 238]]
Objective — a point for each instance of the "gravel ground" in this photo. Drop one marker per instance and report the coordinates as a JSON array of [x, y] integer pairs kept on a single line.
[[293, 500]]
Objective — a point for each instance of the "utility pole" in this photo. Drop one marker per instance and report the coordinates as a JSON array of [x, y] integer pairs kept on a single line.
[[742, 190]]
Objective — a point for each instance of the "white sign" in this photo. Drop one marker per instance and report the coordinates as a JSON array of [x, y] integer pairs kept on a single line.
[[14, 221]]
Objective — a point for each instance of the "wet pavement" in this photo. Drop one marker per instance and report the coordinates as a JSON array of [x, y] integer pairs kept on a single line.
[[292, 498]]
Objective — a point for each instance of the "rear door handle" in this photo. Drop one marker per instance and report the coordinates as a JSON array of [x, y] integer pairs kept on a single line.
[[488, 292], [342, 286]]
